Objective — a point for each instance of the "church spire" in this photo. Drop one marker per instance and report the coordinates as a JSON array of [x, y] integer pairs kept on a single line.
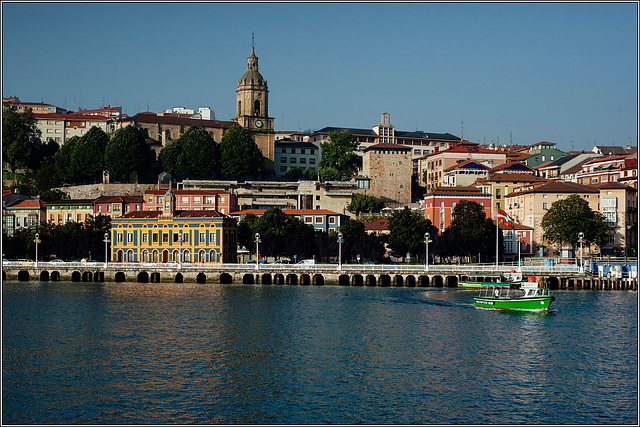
[[252, 60]]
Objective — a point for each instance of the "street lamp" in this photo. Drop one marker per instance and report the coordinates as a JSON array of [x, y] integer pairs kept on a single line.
[[257, 250], [180, 241], [340, 242], [106, 250], [581, 241], [426, 255], [519, 243], [37, 240]]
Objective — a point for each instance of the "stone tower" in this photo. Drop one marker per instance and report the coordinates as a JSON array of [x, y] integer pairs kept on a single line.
[[252, 110]]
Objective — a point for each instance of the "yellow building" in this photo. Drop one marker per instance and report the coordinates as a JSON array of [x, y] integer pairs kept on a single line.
[[59, 212], [168, 236]]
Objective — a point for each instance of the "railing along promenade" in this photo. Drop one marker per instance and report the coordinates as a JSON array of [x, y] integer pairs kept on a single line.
[[558, 276]]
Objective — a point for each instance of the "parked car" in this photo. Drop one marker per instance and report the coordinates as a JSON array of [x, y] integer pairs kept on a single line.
[[56, 260], [308, 261]]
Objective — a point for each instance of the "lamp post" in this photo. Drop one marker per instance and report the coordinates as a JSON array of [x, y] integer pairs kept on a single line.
[[519, 243], [37, 240], [180, 241], [426, 255], [340, 241], [581, 241], [257, 250], [106, 250]]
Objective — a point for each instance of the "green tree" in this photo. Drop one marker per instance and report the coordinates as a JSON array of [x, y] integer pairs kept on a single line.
[[199, 156], [568, 217], [87, 160], [471, 230], [339, 161], [406, 232], [62, 160], [239, 155], [358, 242], [363, 203], [126, 152], [169, 157], [21, 144]]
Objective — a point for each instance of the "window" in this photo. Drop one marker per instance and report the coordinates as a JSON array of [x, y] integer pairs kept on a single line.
[[203, 237], [155, 238], [312, 161], [119, 237], [208, 200], [308, 219], [332, 220], [283, 160], [319, 220], [544, 205], [129, 237], [184, 199], [196, 199], [150, 199], [303, 161], [212, 237], [293, 160], [159, 200], [165, 237], [116, 207]]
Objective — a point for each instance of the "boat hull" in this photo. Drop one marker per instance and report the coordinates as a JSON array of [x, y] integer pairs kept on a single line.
[[537, 303]]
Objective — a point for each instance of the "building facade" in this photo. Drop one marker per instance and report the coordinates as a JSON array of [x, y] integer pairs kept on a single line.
[[62, 127], [440, 202], [293, 154], [60, 212], [116, 206], [194, 200], [390, 169], [24, 214], [321, 220], [172, 236]]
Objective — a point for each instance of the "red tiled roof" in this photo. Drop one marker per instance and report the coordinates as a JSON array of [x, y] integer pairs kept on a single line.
[[517, 177], [561, 187], [389, 146], [466, 162], [377, 225], [29, 204], [156, 119]]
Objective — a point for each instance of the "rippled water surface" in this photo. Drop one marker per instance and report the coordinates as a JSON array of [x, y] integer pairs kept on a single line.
[[190, 353]]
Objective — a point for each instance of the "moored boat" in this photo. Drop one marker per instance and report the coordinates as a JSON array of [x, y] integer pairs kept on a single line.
[[488, 280], [532, 295]]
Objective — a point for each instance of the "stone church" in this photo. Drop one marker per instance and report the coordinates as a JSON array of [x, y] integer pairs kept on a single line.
[[252, 113]]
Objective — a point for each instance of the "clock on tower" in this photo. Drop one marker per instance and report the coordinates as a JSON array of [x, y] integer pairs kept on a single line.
[[168, 203]]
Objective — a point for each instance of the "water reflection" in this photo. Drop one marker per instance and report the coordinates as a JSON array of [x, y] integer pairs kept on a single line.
[[192, 353]]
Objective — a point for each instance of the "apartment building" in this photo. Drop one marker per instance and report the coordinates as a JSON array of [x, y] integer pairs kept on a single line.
[[503, 182], [61, 127], [116, 206], [619, 205], [293, 154], [527, 204], [602, 170], [440, 202], [193, 200], [37, 107], [541, 153], [60, 212], [465, 174], [436, 164], [24, 214]]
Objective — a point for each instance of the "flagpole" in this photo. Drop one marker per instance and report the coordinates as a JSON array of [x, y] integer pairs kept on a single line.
[[497, 230]]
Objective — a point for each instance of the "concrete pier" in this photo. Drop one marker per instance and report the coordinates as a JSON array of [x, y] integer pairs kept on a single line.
[[283, 274]]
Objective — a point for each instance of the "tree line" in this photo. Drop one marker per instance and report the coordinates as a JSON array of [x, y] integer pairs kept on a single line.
[[124, 155]]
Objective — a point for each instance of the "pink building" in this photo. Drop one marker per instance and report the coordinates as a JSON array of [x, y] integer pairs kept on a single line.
[[194, 200], [439, 203]]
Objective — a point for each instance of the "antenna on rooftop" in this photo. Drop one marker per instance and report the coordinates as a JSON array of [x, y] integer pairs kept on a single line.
[[462, 131], [510, 138]]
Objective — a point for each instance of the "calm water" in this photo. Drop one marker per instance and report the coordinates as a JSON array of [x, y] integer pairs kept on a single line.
[[166, 353]]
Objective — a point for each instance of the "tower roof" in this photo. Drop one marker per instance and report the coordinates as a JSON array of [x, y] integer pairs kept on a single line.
[[252, 75]]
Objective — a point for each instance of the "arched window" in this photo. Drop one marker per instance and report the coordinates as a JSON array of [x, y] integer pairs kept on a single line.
[[201, 256], [145, 256], [256, 107], [155, 256]]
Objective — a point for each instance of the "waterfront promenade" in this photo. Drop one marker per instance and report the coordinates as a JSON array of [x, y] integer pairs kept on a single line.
[[559, 276]]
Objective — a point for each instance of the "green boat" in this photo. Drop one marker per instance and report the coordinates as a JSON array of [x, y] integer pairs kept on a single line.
[[532, 295], [496, 280]]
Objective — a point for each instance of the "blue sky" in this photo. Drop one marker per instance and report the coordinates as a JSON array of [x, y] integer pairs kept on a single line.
[[560, 72]]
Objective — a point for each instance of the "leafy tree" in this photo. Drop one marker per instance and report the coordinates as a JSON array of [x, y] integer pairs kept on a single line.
[[169, 157], [406, 231], [358, 242], [568, 217], [51, 195], [126, 152], [62, 160], [239, 154], [471, 230], [21, 144], [339, 161], [245, 231], [363, 203], [199, 153], [87, 160]]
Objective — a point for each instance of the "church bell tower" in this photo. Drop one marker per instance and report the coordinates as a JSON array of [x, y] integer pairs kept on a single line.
[[252, 109]]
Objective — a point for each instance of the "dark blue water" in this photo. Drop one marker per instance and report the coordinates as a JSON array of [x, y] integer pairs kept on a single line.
[[78, 353]]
